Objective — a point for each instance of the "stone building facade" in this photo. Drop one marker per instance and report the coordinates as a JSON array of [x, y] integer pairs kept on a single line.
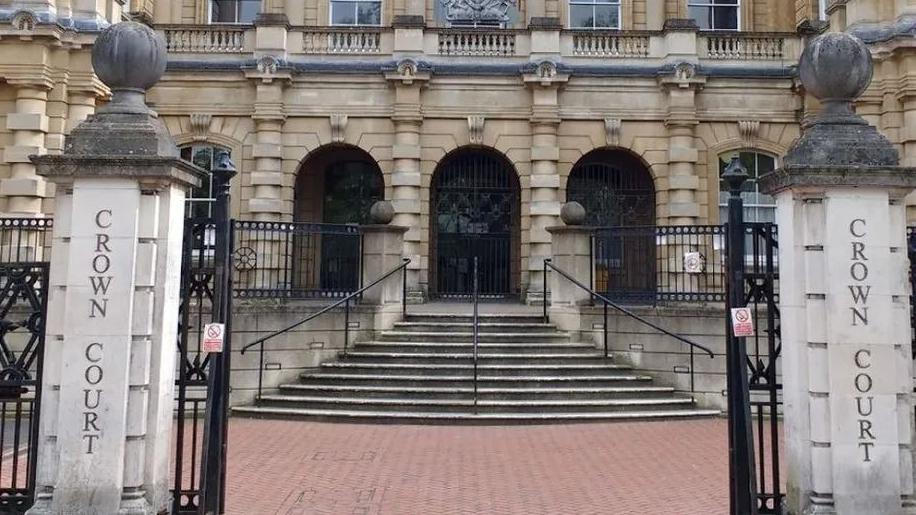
[[502, 108]]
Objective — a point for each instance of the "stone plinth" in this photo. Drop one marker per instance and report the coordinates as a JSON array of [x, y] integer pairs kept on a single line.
[[383, 250], [571, 248]]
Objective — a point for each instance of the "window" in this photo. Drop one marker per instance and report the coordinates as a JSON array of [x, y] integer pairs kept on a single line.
[[758, 207], [715, 14], [234, 11], [594, 14], [199, 203], [356, 12], [822, 9]]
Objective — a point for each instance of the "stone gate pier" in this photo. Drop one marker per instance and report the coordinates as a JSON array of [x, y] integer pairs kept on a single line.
[[844, 299], [113, 313]]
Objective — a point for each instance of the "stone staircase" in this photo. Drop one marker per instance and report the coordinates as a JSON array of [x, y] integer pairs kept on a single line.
[[422, 371]]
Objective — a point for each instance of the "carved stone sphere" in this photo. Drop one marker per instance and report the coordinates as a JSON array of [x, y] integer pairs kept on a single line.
[[835, 66], [381, 213], [129, 55], [572, 213]]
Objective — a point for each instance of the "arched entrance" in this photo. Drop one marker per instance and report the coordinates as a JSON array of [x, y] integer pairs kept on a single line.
[[335, 185], [618, 194], [474, 213]]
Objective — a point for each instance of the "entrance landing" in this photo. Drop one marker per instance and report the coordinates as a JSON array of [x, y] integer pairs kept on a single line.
[[465, 307]]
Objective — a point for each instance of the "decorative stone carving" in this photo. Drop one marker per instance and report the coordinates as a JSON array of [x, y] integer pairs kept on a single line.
[[200, 126], [338, 127], [268, 64], [407, 68], [475, 129], [685, 71], [24, 21], [612, 131], [546, 69], [748, 129], [381, 213], [477, 10]]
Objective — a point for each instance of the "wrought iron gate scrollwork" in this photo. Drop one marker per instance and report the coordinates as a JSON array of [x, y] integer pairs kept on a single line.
[[23, 313]]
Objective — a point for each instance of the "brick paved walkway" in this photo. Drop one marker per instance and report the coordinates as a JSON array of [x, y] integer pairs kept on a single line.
[[292, 468]]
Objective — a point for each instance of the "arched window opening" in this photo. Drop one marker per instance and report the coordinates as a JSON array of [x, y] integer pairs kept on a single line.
[[200, 200], [758, 207]]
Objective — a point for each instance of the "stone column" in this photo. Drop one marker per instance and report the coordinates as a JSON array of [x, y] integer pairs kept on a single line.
[[571, 252], [844, 299], [545, 82], [107, 388], [406, 180], [29, 124], [267, 201]]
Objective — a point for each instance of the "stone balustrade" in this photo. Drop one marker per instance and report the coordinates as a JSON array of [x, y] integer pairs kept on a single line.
[[209, 39], [477, 42], [347, 40], [747, 47], [609, 44]]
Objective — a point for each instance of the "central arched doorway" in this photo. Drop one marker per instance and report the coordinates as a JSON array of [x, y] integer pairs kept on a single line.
[[618, 194], [474, 213]]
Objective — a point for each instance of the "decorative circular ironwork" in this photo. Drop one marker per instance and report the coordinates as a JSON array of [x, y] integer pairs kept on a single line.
[[245, 259]]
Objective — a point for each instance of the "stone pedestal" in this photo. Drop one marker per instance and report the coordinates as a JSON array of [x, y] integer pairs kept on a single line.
[[571, 253], [383, 250], [844, 300], [107, 386]]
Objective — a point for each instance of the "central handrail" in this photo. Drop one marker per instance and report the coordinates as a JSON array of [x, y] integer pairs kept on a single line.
[[476, 330], [346, 301], [609, 302]]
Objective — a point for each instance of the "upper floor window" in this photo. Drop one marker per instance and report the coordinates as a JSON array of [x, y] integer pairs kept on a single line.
[[594, 14], [758, 207], [356, 12], [234, 11], [200, 200], [715, 14]]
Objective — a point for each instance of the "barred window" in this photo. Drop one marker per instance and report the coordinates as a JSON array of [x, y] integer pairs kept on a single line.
[[200, 200], [356, 12], [234, 11], [758, 207], [594, 14], [715, 14]]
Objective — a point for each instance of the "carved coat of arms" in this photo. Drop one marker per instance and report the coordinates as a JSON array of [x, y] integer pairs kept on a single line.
[[492, 11]]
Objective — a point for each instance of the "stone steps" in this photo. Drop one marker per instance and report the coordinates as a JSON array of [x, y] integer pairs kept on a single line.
[[422, 372]]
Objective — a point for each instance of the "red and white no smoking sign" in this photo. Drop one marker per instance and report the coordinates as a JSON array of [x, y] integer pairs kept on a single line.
[[212, 338], [742, 322]]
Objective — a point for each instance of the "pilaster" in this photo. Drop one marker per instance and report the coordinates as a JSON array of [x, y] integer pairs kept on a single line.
[[266, 180], [681, 121], [29, 124], [545, 82], [406, 182]]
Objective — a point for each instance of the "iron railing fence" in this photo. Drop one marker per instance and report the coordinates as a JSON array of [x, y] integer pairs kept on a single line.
[[651, 264], [25, 240], [295, 260]]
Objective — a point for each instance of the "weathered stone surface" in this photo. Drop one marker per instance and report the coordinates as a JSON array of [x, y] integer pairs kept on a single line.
[[382, 212], [129, 55], [572, 213]]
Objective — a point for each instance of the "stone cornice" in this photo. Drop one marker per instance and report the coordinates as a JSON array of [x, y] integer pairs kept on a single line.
[[795, 176], [151, 169]]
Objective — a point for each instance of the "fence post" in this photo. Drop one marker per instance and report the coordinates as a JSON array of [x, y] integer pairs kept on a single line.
[[212, 495], [743, 497]]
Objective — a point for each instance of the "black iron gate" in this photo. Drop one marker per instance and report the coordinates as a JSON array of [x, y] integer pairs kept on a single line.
[[476, 208]]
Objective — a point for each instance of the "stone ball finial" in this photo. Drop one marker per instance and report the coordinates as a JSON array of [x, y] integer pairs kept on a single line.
[[836, 66], [129, 58], [572, 213], [381, 213]]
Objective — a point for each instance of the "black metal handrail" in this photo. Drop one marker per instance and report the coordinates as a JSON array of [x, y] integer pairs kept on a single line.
[[609, 302], [346, 302], [476, 330]]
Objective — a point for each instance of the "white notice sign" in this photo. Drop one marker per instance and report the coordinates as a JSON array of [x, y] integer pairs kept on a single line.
[[742, 322], [212, 338]]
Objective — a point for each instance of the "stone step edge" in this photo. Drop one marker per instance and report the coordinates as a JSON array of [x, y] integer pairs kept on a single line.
[[487, 390], [392, 377], [462, 334], [445, 355], [495, 417], [486, 366], [481, 402]]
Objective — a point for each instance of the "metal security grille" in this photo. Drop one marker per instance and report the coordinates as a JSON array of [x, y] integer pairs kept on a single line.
[[475, 197], [617, 191]]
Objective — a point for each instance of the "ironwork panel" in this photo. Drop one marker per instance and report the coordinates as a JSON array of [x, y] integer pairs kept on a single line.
[[476, 204], [23, 312]]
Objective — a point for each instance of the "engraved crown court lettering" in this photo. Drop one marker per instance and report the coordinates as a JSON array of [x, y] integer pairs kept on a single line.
[[100, 282]]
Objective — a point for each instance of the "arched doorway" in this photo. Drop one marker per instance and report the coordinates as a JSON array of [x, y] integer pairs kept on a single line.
[[474, 213], [618, 194], [335, 186]]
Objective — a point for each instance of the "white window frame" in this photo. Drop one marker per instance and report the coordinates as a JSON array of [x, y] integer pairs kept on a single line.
[[593, 3], [237, 11], [822, 9], [381, 13], [709, 3], [756, 206]]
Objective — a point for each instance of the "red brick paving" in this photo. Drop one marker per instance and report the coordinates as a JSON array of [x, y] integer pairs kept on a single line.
[[295, 467]]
